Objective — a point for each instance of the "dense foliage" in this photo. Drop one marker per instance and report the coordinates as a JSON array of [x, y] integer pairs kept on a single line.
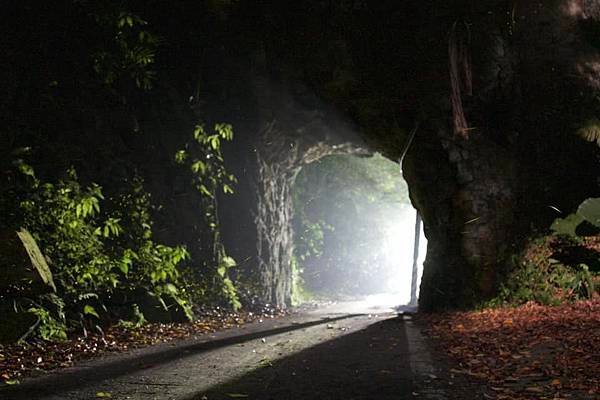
[[562, 266], [77, 170], [104, 262]]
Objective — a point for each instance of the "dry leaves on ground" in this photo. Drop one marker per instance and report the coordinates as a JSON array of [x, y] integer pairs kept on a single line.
[[528, 352]]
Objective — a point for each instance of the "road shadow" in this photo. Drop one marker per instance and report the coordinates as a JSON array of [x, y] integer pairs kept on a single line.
[[56, 383], [373, 363]]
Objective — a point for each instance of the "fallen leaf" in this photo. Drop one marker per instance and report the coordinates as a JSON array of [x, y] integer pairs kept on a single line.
[[532, 344]]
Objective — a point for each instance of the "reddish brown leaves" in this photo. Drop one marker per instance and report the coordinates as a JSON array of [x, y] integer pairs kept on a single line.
[[529, 352]]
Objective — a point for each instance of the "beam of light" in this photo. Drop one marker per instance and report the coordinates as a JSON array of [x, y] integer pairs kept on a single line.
[[398, 250]]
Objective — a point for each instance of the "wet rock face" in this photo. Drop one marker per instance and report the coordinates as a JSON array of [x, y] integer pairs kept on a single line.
[[466, 192]]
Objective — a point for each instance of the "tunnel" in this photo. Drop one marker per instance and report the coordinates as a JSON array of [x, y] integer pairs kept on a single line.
[[506, 121], [354, 231]]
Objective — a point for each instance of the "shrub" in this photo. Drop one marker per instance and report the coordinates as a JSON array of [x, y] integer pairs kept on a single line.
[[97, 255]]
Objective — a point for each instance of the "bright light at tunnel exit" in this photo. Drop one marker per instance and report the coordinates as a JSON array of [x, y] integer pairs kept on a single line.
[[398, 249]]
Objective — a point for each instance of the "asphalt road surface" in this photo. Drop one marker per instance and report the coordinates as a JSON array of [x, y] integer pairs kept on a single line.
[[351, 350]]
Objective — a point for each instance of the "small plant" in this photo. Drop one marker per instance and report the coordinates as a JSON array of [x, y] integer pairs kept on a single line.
[[205, 161], [49, 327], [51, 319], [136, 321], [582, 284], [541, 274], [228, 288]]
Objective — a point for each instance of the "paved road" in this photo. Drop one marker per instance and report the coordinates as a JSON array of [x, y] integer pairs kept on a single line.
[[351, 350]]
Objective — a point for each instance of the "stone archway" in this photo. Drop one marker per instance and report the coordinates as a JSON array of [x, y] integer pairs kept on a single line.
[[283, 152]]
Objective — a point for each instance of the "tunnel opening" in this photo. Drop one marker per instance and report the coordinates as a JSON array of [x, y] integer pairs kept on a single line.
[[354, 232]]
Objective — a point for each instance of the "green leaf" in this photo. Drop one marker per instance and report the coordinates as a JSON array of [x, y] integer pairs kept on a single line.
[[224, 130], [125, 264], [567, 226], [205, 191], [199, 133], [590, 211], [221, 271], [89, 310], [170, 288], [199, 166], [228, 262], [96, 204], [237, 395], [103, 395], [180, 156], [12, 382], [26, 170], [37, 257], [215, 143]]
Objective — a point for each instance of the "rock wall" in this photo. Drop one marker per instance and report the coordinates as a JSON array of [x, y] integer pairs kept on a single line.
[[485, 191]]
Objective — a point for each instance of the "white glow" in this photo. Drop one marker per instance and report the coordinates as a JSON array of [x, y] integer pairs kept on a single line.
[[398, 249]]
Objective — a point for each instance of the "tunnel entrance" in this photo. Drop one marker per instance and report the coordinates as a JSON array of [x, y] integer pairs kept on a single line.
[[354, 231]]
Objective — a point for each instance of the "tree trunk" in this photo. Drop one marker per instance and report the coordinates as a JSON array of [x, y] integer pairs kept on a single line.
[[275, 244], [281, 154]]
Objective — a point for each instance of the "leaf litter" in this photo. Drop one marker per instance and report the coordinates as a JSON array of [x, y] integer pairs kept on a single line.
[[527, 352], [26, 359]]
